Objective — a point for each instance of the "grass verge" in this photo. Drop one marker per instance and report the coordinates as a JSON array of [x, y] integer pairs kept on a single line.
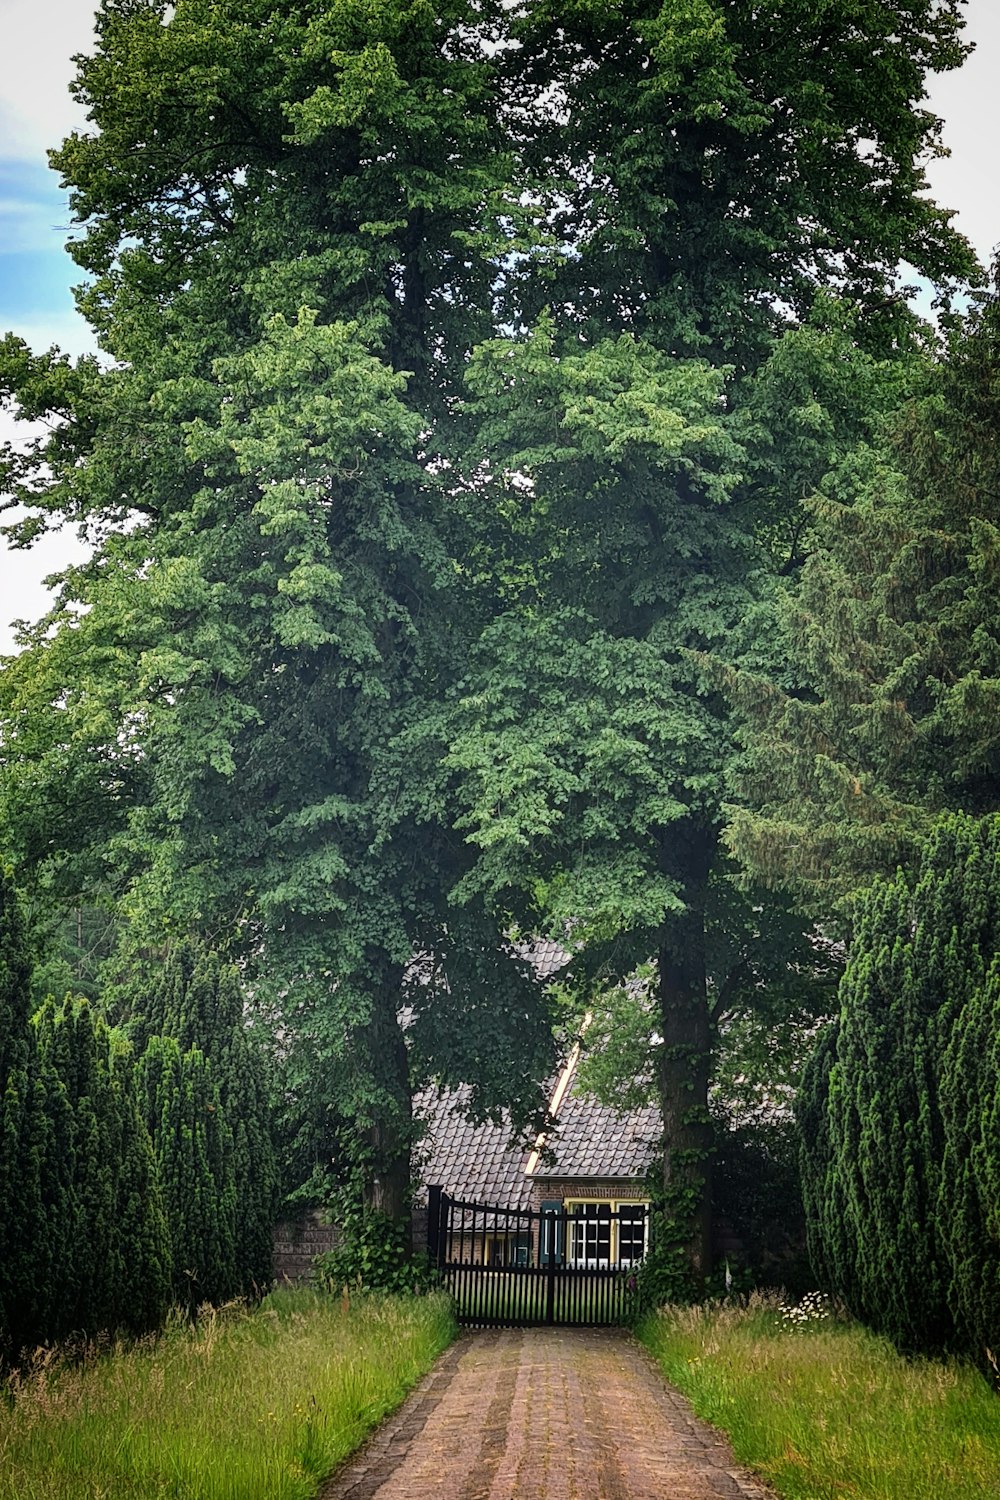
[[249, 1405], [824, 1410]]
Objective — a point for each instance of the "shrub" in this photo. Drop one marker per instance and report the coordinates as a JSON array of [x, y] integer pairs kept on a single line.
[[901, 1103]]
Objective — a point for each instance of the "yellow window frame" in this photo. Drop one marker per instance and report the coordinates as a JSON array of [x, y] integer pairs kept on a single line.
[[614, 1205]]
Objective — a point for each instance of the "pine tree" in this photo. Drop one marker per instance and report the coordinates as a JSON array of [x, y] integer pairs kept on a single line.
[[884, 709]]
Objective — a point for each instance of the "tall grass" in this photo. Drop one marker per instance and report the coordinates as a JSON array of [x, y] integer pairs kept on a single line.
[[246, 1406], [825, 1410]]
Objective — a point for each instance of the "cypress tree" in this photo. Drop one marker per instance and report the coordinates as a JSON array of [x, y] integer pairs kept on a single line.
[[106, 1245], [142, 1272], [198, 1001], [22, 1128], [901, 1157], [193, 1148]]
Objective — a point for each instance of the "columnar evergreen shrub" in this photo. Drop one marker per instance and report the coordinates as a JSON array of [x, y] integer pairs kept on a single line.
[[193, 1147], [83, 1242], [22, 1125], [901, 1102], [198, 1001], [107, 1251]]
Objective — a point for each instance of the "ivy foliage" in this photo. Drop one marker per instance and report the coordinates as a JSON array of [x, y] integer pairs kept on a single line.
[[374, 1253]]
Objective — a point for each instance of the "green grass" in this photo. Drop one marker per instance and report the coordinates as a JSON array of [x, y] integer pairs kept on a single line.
[[828, 1411], [257, 1405]]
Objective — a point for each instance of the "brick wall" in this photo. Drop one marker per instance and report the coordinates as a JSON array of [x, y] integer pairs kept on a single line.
[[297, 1242], [574, 1188]]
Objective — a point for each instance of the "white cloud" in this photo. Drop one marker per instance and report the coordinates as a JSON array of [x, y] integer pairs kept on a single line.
[[23, 592], [968, 180], [40, 38], [68, 331]]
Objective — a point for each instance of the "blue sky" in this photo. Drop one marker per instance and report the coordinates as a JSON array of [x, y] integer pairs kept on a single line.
[[36, 274], [39, 39]]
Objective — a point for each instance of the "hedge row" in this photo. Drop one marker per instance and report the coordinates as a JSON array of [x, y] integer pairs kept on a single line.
[[900, 1107], [135, 1172]]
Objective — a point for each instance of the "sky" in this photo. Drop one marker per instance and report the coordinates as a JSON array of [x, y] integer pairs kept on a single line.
[[39, 39]]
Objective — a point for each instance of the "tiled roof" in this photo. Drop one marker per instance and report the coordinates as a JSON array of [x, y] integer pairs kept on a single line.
[[595, 1140], [588, 1140], [477, 1162], [470, 1161], [547, 956]]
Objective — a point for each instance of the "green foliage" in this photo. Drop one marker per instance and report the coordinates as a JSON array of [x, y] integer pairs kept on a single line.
[[193, 1146], [414, 485], [22, 1135], [757, 1191], [375, 1254], [106, 1250], [706, 165], [83, 1242], [70, 953], [289, 273], [899, 1150], [197, 1000], [664, 1275], [880, 708]]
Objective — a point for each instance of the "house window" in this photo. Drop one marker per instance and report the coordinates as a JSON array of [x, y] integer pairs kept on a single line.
[[603, 1234], [508, 1250], [589, 1234], [633, 1224]]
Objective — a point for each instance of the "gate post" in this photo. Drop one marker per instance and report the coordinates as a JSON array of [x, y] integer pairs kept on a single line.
[[436, 1202], [550, 1280]]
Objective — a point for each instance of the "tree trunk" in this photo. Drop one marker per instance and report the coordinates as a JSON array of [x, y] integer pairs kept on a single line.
[[685, 1062], [387, 1183]]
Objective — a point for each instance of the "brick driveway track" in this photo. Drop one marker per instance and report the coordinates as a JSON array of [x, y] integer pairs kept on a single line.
[[545, 1414]]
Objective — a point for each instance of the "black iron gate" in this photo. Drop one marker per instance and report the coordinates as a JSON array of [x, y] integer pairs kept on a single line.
[[513, 1267]]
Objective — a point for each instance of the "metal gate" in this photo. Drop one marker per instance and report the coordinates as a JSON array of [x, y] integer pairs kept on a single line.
[[514, 1267]]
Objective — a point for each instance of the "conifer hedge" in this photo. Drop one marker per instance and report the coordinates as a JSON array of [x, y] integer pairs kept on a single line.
[[208, 1112], [83, 1239], [124, 1186], [900, 1106]]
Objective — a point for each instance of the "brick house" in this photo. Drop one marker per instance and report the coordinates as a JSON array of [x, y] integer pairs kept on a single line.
[[591, 1164]]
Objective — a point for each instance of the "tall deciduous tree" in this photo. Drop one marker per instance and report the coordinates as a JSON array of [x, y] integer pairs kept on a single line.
[[294, 219], [595, 752], [301, 221]]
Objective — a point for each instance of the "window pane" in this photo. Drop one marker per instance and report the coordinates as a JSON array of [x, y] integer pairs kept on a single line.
[[631, 1233]]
